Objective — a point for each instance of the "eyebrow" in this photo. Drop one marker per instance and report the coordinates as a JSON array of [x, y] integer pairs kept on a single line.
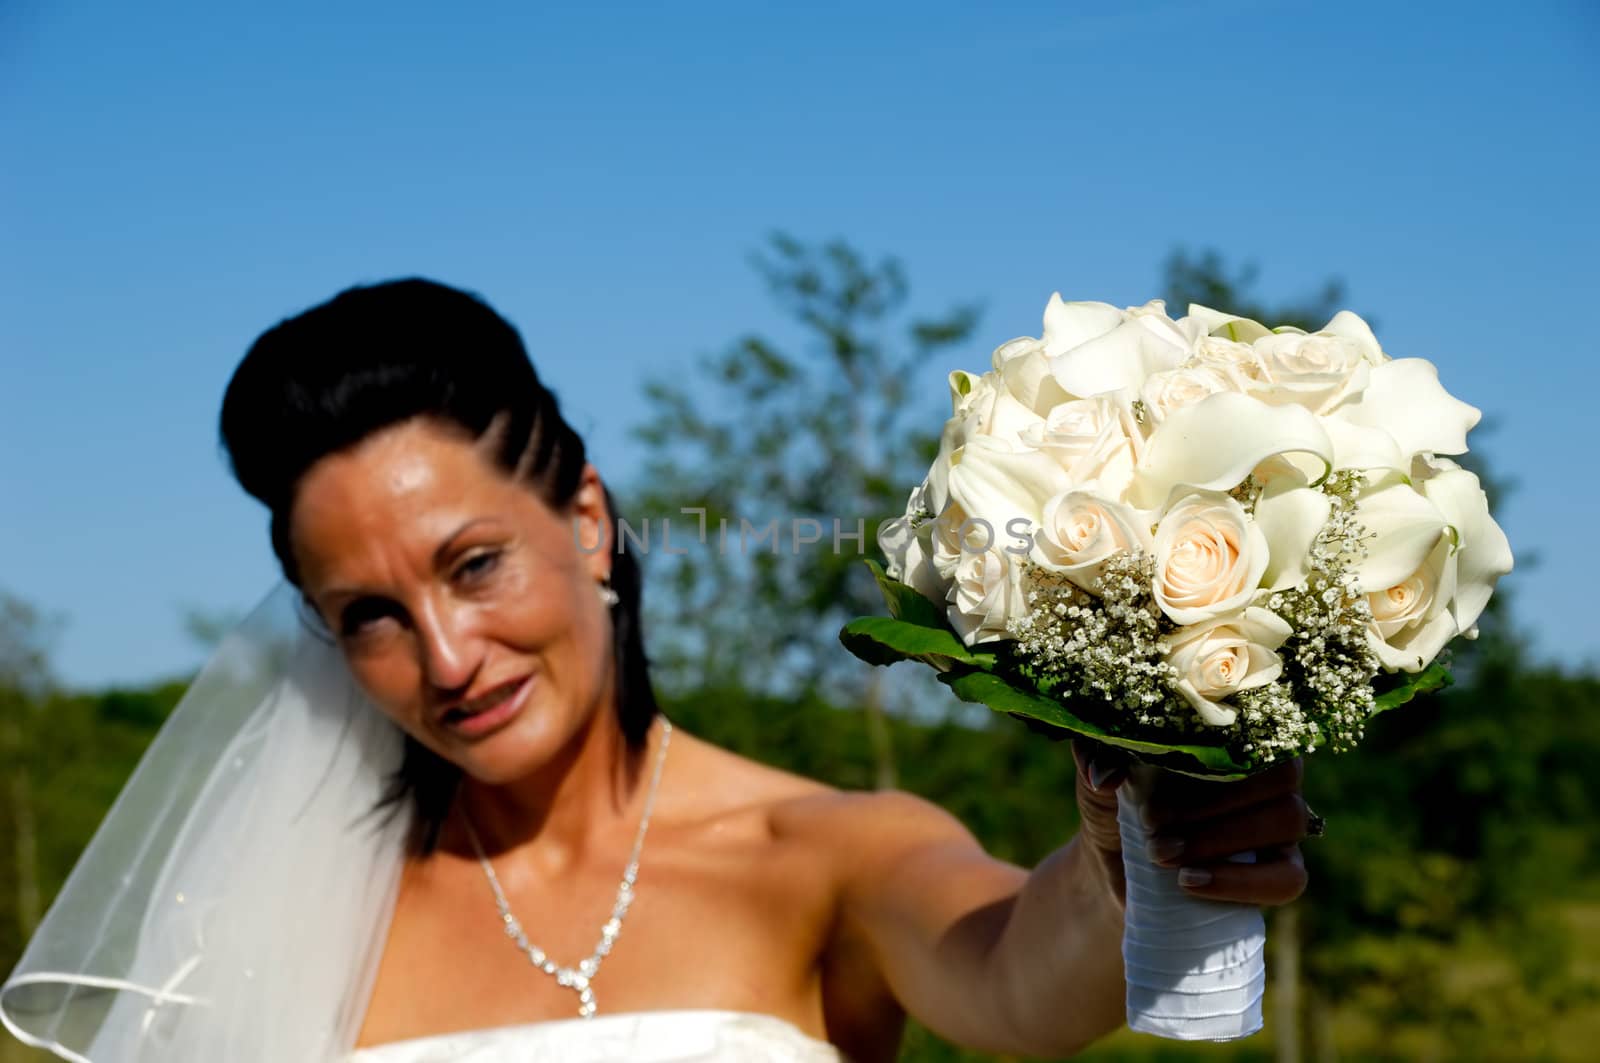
[[439, 554], [444, 547]]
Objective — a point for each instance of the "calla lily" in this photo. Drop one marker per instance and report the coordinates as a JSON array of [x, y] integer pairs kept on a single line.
[[1216, 442], [1069, 325], [1290, 516], [1024, 368], [1122, 358], [1403, 528], [1405, 399], [1483, 553], [1361, 447], [991, 482]]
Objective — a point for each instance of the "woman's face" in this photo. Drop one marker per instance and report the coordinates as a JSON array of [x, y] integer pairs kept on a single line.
[[462, 602]]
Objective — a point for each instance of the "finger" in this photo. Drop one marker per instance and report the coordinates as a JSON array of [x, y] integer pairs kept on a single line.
[[1278, 877], [1271, 824], [1103, 767], [1180, 799]]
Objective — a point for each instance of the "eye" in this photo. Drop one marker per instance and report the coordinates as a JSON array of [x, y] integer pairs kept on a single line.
[[364, 616], [477, 567]]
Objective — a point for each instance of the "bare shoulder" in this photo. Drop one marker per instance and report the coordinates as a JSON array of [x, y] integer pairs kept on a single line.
[[719, 782], [801, 809]]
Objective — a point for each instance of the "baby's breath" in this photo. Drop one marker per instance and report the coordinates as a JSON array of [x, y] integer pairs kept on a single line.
[[1103, 650]]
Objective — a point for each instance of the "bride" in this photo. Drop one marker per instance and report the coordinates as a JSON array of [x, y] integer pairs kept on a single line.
[[422, 804]]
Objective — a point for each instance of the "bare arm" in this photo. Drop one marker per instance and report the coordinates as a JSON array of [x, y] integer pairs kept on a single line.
[[1004, 960], [979, 950]]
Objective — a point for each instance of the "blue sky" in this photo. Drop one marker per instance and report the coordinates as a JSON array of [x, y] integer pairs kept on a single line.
[[174, 178]]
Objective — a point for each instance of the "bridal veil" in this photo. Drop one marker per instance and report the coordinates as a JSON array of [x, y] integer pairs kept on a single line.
[[233, 904]]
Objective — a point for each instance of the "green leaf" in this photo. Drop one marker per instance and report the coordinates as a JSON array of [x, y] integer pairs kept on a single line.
[[883, 640], [907, 603], [984, 688], [1410, 684]]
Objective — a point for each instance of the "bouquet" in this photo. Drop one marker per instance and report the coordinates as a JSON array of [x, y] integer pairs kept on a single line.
[[1210, 542]]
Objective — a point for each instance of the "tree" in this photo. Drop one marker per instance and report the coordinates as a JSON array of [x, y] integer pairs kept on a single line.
[[787, 458], [1207, 279], [24, 678]]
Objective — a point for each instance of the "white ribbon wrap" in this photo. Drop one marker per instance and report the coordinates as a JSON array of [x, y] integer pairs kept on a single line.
[[1195, 968]]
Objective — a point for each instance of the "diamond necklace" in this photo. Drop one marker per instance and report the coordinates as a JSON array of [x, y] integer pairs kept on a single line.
[[578, 978]]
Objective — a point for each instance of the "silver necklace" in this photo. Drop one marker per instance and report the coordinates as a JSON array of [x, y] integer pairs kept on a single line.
[[578, 978]]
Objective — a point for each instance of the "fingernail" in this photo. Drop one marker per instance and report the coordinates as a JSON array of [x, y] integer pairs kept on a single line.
[[1098, 774], [1164, 849], [1193, 876]]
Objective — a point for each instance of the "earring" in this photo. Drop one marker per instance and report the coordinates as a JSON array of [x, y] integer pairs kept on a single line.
[[607, 595]]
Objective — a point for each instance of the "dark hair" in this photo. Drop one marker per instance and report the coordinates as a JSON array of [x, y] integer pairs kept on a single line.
[[375, 356]]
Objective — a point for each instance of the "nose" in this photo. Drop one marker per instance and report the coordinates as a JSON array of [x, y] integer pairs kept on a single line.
[[451, 651]]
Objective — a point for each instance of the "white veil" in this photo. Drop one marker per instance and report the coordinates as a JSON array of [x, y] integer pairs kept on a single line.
[[234, 903]]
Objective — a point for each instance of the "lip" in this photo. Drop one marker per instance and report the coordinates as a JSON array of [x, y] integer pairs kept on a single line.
[[492, 719]]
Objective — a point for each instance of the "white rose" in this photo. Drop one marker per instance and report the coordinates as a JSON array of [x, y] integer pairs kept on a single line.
[[1410, 619], [952, 536], [1220, 657], [1315, 371], [1080, 532], [1239, 363], [984, 406], [1094, 440], [1209, 558], [1173, 389], [987, 592]]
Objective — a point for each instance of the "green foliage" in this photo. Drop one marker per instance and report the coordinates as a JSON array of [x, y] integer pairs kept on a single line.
[[822, 429]]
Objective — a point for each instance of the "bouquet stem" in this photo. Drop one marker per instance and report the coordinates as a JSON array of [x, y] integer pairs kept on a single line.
[[1195, 968]]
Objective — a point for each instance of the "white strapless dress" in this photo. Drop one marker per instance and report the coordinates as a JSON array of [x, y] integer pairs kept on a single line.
[[684, 1036]]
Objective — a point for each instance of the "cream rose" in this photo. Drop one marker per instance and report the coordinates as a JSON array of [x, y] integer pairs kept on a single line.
[[953, 534], [1220, 657], [1093, 440], [1081, 531], [1173, 389], [1407, 574], [1239, 363], [1316, 371], [984, 406], [987, 592], [1209, 558], [1410, 619]]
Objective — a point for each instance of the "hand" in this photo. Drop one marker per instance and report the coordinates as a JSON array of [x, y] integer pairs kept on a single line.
[[1197, 824], [1101, 770]]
